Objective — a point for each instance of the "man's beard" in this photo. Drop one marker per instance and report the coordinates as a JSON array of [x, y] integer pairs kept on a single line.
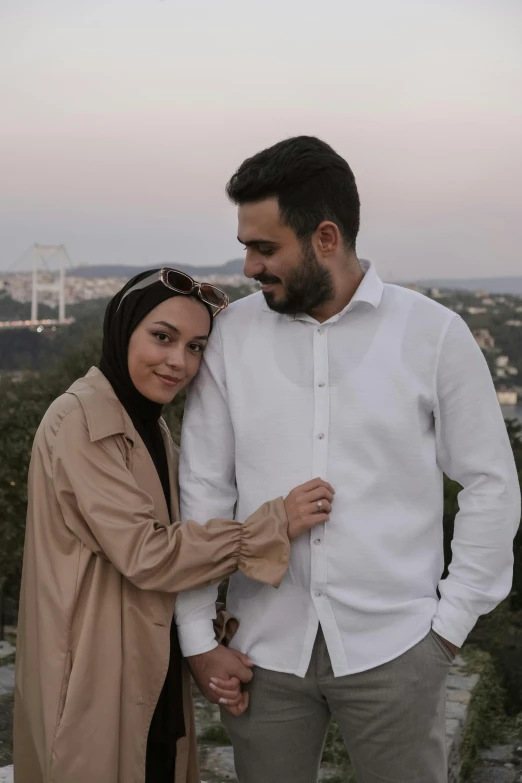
[[308, 287]]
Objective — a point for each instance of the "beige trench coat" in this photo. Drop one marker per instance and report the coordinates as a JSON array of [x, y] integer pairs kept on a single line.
[[102, 564]]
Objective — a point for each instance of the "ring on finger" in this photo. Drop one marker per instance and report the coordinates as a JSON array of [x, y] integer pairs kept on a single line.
[[319, 504]]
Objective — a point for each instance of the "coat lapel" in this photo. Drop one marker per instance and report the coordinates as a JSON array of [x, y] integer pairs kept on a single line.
[[146, 475], [172, 459]]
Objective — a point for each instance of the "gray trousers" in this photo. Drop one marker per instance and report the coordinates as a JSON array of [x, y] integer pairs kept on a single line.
[[391, 718]]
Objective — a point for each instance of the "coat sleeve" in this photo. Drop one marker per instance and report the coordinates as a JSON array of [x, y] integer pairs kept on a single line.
[[106, 509]]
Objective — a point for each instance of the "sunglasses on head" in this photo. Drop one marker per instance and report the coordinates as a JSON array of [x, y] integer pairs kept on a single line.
[[185, 285]]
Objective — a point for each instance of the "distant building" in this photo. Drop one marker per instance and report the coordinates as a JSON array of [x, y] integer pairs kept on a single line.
[[484, 339], [507, 396], [477, 310], [514, 323], [502, 361]]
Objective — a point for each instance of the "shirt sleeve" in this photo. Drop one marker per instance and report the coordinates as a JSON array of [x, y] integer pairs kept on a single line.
[[473, 449], [103, 505], [207, 481]]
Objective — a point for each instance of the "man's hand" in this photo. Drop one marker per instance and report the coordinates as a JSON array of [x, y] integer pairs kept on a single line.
[[219, 674], [449, 646]]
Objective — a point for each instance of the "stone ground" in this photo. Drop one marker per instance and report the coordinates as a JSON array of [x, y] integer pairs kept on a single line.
[[6, 709], [501, 763]]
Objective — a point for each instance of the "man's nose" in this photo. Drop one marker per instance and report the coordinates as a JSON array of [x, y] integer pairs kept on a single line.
[[253, 264]]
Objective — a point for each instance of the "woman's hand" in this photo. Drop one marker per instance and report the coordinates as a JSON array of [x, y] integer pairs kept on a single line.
[[231, 697], [308, 505]]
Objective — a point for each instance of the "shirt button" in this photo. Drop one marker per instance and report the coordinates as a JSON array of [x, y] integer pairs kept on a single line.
[[317, 541], [321, 435], [317, 594], [320, 330], [321, 384]]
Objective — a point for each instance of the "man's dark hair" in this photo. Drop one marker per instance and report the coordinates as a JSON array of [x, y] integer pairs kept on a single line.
[[311, 182]]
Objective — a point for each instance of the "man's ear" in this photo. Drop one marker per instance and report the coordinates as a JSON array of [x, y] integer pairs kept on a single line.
[[327, 238]]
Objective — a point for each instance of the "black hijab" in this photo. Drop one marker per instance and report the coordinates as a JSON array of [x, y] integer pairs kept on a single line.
[[119, 324]]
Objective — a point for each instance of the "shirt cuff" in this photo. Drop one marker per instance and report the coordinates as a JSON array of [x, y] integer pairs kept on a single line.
[[197, 637], [452, 624]]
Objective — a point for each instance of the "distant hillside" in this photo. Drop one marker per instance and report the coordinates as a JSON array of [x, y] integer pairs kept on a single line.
[[493, 285], [234, 267]]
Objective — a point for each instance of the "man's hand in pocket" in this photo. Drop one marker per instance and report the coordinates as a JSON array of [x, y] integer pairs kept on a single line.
[[448, 645]]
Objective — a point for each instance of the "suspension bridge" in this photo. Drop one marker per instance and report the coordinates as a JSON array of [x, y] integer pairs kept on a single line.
[[48, 264]]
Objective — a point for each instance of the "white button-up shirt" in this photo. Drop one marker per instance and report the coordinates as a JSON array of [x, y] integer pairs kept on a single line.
[[379, 400]]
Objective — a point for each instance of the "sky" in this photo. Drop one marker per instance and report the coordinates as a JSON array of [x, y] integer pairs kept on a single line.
[[122, 120]]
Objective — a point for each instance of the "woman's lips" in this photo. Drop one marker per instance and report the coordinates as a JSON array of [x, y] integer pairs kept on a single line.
[[168, 380]]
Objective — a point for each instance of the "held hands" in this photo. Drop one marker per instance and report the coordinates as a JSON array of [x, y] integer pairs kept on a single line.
[[219, 675], [221, 672], [308, 505]]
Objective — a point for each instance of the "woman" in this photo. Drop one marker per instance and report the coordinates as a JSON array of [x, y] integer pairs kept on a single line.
[[101, 691]]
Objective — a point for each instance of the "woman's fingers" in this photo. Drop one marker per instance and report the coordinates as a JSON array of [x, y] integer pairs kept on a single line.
[[231, 686], [317, 483], [230, 701], [325, 506], [228, 691], [230, 682], [240, 707], [315, 519], [320, 493], [313, 498]]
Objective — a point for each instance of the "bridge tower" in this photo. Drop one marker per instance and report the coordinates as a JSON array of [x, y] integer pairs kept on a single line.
[[47, 257]]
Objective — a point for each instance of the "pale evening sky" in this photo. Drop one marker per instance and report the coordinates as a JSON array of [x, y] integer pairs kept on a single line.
[[121, 121]]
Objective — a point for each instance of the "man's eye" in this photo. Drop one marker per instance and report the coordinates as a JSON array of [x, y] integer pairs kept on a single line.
[[266, 251]]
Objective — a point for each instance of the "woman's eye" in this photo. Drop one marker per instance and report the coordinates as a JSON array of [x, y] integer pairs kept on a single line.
[[161, 337], [196, 347]]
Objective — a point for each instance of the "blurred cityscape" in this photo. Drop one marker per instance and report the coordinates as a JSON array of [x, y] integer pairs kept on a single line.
[[495, 319]]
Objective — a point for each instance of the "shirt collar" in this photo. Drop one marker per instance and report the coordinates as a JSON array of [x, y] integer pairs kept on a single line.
[[370, 291], [370, 288]]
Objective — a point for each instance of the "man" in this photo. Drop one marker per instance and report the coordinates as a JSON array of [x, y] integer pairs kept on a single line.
[[327, 371]]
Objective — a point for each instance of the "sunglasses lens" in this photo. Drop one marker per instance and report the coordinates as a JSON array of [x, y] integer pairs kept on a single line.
[[212, 295], [179, 281]]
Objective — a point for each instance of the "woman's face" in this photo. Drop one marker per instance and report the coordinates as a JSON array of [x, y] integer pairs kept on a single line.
[[165, 349]]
